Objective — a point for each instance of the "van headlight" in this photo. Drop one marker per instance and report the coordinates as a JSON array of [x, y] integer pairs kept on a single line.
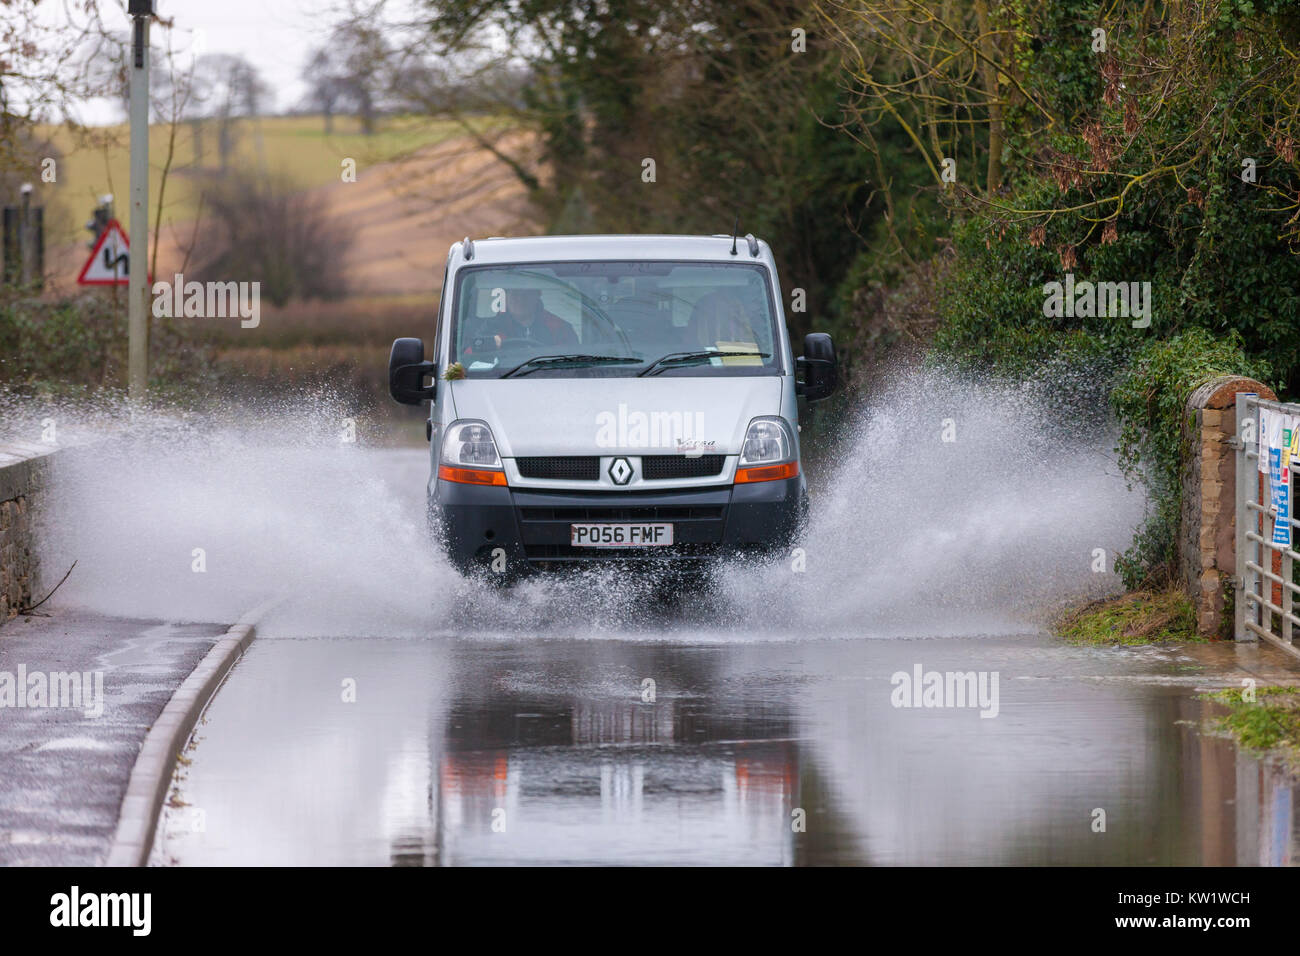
[[768, 452], [469, 455], [767, 442], [470, 443]]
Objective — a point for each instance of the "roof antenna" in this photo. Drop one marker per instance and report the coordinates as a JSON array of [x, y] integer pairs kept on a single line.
[[735, 231]]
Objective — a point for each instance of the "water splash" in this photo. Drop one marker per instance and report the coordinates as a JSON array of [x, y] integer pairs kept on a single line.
[[955, 507], [911, 534]]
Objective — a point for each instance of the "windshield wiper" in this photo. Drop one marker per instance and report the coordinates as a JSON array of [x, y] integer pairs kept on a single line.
[[692, 358], [550, 361]]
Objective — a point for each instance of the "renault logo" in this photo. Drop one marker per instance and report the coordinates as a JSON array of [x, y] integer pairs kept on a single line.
[[620, 471]]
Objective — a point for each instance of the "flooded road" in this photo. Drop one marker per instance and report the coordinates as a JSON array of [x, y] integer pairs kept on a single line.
[[450, 750], [392, 713]]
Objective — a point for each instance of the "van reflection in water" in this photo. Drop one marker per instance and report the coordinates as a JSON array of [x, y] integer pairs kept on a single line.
[[579, 784]]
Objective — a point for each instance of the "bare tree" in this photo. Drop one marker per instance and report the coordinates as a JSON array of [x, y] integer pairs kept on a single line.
[[260, 228], [44, 74], [325, 86], [361, 73], [231, 88]]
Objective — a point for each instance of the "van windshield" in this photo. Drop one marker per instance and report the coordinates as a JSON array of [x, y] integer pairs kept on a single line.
[[614, 319]]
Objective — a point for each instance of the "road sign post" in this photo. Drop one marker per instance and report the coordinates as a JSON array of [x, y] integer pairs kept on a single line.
[[110, 258], [137, 286]]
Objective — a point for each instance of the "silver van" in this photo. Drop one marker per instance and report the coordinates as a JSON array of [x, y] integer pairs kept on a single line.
[[612, 398]]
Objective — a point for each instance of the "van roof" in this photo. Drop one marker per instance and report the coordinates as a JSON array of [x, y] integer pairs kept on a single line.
[[596, 248]]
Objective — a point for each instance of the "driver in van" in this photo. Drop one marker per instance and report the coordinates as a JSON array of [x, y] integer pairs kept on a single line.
[[526, 319]]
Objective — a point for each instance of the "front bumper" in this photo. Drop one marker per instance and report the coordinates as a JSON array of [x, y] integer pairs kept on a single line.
[[529, 528]]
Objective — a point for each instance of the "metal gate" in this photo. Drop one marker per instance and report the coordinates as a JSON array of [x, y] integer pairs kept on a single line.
[[1266, 528]]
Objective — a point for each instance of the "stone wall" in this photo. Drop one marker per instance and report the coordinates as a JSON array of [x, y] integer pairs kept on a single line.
[[1207, 525], [23, 471]]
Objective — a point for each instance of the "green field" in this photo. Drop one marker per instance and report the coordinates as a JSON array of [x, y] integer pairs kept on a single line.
[[97, 161]]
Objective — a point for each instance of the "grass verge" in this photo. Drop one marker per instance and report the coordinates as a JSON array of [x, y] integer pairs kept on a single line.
[[1139, 617], [1270, 722]]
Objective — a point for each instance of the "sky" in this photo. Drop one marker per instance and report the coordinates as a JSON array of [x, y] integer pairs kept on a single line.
[[274, 35]]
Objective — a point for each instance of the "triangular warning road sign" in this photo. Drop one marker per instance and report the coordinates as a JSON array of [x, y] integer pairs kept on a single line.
[[109, 260]]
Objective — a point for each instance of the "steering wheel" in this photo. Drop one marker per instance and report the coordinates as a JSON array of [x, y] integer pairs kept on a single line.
[[529, 343], [597, 312]]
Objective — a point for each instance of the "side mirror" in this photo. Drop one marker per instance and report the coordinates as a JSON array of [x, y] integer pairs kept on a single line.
[[407, 371], [817, 366]]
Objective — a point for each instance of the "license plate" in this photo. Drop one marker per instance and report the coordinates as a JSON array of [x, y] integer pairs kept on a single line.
[[628, 535]]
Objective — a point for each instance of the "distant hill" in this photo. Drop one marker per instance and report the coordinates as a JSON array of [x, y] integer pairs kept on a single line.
[[420, 185]]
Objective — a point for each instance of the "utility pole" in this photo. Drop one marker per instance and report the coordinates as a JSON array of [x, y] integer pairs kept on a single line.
[[138, 264], [25, 238]]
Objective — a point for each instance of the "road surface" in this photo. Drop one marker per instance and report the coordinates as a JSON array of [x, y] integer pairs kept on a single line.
[[389, 713], [508, 734], [64, 769]]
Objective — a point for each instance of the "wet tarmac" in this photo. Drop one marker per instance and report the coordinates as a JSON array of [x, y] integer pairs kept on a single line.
[[93, 686], [688, 748]]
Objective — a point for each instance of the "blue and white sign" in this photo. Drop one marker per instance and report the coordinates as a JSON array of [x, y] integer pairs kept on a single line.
[[1280, 430]]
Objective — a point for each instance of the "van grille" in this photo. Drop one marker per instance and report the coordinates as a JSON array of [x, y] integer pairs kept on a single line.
[[655, 467], [616, 513], [698, 517], [572, 468], [587, 467]]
